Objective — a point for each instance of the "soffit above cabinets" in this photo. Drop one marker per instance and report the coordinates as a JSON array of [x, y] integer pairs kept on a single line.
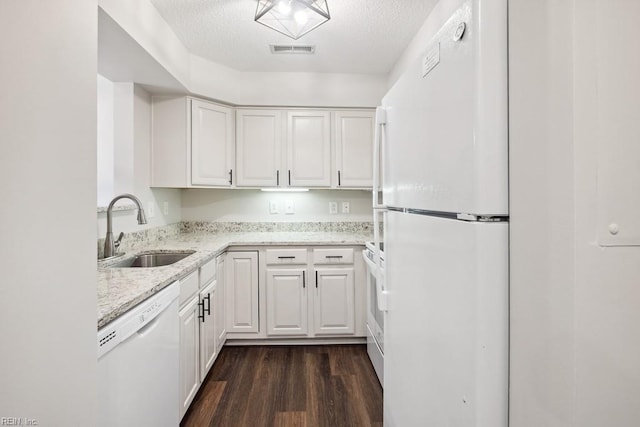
[[122, 59]]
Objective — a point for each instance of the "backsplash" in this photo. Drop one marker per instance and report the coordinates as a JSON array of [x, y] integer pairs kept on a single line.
[[138, 240], [360, 227]]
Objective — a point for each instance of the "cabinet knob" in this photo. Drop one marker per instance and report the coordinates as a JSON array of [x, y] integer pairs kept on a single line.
[[304, 284]]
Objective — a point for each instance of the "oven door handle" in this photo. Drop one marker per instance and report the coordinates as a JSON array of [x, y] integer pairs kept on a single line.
[[381, 294]]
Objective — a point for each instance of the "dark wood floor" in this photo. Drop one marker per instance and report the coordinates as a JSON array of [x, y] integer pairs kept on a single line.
[[297, 386]]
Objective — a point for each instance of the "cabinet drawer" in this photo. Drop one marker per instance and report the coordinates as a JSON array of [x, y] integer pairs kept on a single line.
[[207, 273], [286, 256], [333, 256], [188, 287]]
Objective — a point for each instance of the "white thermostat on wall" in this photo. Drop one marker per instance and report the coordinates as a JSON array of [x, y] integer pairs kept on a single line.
[[459, 31]]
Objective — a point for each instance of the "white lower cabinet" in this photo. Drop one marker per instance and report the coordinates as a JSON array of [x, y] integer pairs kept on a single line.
[[311, 292], [208, 338], [189, 376], [333, 301], [202, 328], [286, 301], [219, 303], [242, 292]]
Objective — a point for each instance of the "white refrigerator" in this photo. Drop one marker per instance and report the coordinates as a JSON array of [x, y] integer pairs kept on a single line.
[[442, 134]]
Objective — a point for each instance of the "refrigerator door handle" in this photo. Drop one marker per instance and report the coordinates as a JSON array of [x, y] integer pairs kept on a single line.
[[381, 121]]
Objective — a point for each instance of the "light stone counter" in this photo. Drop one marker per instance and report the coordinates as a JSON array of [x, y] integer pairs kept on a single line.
[[120, 289]]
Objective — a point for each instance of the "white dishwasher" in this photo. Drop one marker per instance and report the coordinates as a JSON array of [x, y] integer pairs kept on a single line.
[[138, 364]]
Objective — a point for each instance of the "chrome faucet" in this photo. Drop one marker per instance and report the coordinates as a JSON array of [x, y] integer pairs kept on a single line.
[[109, 245]]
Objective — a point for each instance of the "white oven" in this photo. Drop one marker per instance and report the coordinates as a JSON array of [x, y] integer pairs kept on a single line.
[[375, 317]]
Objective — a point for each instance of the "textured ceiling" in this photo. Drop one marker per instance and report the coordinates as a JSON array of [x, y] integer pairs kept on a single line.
[[363, 36]]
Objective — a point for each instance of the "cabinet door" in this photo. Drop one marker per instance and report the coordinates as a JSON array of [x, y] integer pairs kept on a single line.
[[189, 354], [208, 343], [258, 148], [212, 144], [242, 292], [334, 310], [219, 304], [354, 148], [308, 149], [286, 302]]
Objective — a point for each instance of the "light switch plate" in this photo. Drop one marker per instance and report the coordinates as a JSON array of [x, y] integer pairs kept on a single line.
[[346, 208], [289, 207], [151, 210], [333, 208], [273, 207]]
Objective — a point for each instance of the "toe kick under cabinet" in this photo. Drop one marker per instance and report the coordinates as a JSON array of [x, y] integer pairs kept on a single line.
[[301, 292]]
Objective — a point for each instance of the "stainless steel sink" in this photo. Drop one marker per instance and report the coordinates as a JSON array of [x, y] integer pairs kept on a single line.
[[152, 259]]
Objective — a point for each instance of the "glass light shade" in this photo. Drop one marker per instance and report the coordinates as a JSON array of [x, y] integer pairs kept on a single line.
[[293, 18]]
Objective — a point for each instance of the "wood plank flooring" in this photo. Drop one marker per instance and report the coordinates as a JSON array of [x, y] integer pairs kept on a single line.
[[289, 386]]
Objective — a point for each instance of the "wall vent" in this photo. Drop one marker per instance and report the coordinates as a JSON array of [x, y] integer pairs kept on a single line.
[[299, 49]]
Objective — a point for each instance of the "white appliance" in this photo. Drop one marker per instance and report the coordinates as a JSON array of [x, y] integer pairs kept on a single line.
[[442, 131], [138, 364], [375, 316]]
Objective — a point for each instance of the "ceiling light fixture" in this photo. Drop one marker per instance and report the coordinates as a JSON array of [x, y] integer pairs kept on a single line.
[[293, 18]]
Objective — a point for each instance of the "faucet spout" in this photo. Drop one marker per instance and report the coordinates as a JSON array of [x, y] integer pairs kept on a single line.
[[109, 244]]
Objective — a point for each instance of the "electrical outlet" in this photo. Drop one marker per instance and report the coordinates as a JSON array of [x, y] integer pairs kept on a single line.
[[289, 207], [151, 210], [346, 208], [333, 208], [273, 207], [165, 208]]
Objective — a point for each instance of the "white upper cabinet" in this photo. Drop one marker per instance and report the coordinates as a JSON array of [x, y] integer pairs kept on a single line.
[[308, 149], [258, 135], [192, 143], [212, 144], [278, 148], [354, 148], [258, 142], [196, 143]]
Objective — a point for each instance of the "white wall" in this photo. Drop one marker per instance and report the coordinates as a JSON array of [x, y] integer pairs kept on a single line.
[[138, 134], [48, 174], [574, 301], [416, 48], [607, 151], [542, 212], [253, 205], [105, 141]]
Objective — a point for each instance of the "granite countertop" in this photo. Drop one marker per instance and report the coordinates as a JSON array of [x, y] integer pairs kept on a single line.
[[120, 289]]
